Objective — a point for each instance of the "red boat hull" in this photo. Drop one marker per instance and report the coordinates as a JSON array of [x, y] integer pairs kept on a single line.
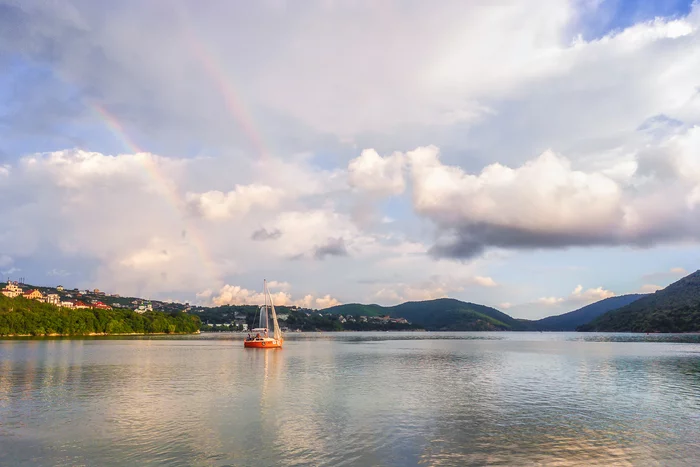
[[263, 344]]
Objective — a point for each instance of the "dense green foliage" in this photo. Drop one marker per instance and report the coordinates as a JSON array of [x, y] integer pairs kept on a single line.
[[571, 320], [673, 309], [223, 318], [444, 314], [19, 316], [357, 309]]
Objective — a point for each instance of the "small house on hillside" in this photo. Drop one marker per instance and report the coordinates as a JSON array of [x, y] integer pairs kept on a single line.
[[53, 299], [33, 295], [59, 288], [12, 290]]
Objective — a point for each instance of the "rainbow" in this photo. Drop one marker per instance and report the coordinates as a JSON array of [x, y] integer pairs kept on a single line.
[[233, 104], [167, 186]]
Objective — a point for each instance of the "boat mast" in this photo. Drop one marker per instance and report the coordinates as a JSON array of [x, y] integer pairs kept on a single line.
[[263, 312]]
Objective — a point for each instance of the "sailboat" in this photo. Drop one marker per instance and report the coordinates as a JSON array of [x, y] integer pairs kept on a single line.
[[260, 338]]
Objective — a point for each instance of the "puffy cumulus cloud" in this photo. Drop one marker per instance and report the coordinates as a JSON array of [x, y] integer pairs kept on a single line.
[[236, 295], [318, 303], [279, 285], [376, 175], [125, 224], [542, 203], [319, 234], [590, 295], [484, 281], [618, 108], [546, 203], [216, 205], [76, 171], [550, 300]]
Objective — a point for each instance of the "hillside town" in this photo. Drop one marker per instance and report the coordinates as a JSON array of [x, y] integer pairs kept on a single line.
[[239, 318], [85, 299]]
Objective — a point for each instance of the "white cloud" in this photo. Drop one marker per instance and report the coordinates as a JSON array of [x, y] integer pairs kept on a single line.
[[578, 297], [236, 295], [649, 288], [381, 176], [550, 300], [216, 205], [279, 285], [505, 305], [545, 203], [693, 199], [679, 271], [590, 295], [484, 281], [617, 113], [127, 217], [319, 303]]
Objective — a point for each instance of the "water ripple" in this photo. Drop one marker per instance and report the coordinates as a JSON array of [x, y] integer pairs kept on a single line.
[[352, 399]]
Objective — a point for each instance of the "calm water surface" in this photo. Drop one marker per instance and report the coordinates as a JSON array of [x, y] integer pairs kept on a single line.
[[383, 399]]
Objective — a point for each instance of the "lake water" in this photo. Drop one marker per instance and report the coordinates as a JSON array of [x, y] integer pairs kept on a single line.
[[385, 399]]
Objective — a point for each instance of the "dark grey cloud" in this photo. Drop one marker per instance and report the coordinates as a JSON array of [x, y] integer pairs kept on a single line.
[[333, 247], [469, 240], [263, 234]]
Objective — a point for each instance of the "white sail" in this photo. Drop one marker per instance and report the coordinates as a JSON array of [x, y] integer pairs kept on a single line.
[[277, 334]]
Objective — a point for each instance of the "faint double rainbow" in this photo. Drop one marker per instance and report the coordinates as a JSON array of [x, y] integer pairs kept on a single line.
[[167, 187], [241, 116]]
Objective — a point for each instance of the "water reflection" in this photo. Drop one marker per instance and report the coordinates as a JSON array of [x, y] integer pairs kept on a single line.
[[360, 399]]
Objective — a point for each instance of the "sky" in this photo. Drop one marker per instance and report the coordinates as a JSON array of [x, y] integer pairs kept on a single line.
[[531, 156]]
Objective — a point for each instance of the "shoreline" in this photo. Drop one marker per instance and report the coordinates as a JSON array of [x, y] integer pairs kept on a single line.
[[104, 334]]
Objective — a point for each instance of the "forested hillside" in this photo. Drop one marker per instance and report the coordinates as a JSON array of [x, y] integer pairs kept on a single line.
[[19, 316], [673, 309]]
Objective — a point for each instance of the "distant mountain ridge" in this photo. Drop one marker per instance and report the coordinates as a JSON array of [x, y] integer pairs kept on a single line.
[[571, 320], [673, 309], [442, 314]]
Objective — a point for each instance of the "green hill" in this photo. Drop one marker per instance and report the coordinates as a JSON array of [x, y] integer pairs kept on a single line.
[[19, 316], [571, 320], [357, 309], [673, 309], [443, 314]]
